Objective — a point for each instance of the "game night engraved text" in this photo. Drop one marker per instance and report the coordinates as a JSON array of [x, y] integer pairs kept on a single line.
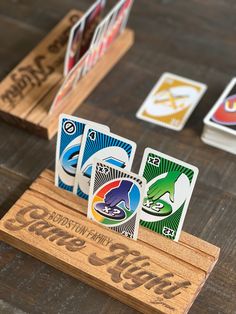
[[30, 76], [124, 265]]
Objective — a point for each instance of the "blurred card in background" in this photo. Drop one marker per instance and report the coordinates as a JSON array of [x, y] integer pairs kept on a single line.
[[108, 30], [81, 35], [91, 40], [220, 122], [68, 85], [171, 101]]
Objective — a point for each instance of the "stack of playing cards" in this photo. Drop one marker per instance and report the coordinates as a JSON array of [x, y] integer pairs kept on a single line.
[[79, 143], [89, 39], [220, 122], [171, 101], [95, 164]]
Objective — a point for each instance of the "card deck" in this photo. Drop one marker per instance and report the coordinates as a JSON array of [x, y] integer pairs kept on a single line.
[[81, 35], [115, 198], [106, 146], [223, 114], [87, 44], [169, 187], [171, 101], [220, 122], [70, 133]]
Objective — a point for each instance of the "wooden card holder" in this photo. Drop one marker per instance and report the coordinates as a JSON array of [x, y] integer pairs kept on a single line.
[[152, 274], [29, 89]]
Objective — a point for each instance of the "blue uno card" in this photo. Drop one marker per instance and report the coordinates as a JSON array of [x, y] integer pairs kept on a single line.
[[69, 138], [108, 147]]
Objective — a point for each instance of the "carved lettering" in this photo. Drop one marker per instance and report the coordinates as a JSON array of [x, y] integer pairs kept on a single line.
[[125, 266], [33, 212], [80, 229], [56, 46], [33, 75], [33, 218], [25, 79], [131, 269]]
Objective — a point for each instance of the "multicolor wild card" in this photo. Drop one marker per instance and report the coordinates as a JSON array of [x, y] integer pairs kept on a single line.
[[169, 187], [171, 101], [223, 114], [115, 199]]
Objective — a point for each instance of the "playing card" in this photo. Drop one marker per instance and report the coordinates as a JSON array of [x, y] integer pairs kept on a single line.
[[96, 45], [115, 198], [119, 21], [108, 30], [171, 101], [74, 45], [88, 45], [91, 23], [69, 137], [106, 146], [68, 85], [223, 114], [81, 35], [169, 187]]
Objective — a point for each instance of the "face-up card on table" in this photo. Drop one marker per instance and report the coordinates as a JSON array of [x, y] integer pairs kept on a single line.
[[108, 147], [70, 133], [169, 187], [223, 114], [115, 198], [81, 35], [171, 101]]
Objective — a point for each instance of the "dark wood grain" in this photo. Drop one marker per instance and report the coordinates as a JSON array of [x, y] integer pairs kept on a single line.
[[194, 38]]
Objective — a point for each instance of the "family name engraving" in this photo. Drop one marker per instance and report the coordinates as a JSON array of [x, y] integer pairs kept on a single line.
[[124, 265]]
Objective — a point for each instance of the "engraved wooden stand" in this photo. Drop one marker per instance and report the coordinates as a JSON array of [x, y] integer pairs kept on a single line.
[[28, 91], [152, 274]]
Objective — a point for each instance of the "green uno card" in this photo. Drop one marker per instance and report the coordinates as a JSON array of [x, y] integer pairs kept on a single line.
[[170, 183]]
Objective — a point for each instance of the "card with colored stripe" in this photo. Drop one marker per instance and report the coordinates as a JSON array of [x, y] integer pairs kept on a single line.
[[115, 199], [108, 147], [169, 187], [69, 137]]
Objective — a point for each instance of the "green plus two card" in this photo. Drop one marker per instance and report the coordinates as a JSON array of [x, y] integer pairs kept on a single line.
[[170, 183]]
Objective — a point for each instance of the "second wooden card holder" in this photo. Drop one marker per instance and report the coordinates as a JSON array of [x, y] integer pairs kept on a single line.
[[28, 91], [152, 274]]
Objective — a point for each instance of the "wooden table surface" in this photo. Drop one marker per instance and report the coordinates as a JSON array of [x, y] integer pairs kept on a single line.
[[193, 38]]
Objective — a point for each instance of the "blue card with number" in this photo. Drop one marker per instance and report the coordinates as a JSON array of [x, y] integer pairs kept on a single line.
[[111, 148], [69, 138]]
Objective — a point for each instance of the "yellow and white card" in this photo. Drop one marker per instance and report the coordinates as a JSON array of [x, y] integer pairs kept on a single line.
[[171, 101]]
